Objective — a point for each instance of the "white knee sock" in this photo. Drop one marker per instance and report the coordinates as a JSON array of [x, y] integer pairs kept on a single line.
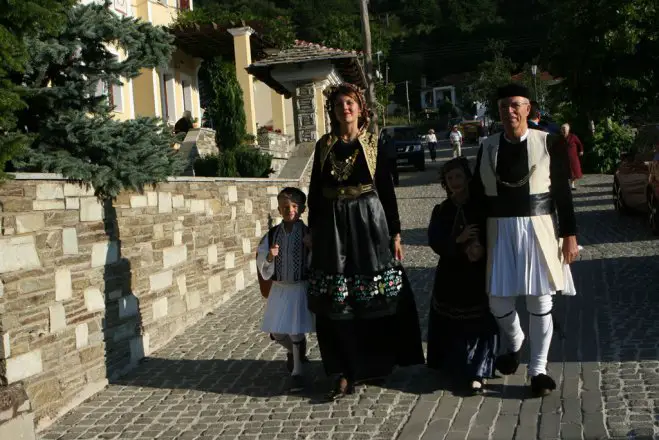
[[284, 340], [297, 353], [541, 329], [503, 309]]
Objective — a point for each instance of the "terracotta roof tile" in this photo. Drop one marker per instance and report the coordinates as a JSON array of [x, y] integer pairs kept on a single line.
[[303, 51]]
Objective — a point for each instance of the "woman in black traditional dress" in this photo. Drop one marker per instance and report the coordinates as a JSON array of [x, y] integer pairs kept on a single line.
[[462, 334], [366, 317]]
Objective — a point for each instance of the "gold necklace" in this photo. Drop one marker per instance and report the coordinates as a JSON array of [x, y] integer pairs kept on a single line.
[[341, 170]]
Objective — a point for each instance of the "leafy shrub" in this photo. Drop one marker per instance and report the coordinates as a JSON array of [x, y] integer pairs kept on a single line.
[[251, 162], [244, 161], [207, 166], [609, 141]]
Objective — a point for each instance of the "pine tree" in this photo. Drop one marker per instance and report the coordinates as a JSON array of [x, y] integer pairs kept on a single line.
[[73, 128], [17, 19], [225, 103]]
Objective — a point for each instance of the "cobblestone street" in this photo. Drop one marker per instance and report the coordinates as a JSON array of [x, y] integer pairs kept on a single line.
[[224, 379]]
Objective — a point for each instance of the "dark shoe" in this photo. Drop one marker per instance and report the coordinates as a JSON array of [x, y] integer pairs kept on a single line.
[[476, 386], [542, 385], [508, 363], [296, 384], [342, 388], [375, 381]]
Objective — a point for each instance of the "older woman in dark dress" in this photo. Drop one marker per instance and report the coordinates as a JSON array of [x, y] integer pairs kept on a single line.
[[462, 334], [366, 317]]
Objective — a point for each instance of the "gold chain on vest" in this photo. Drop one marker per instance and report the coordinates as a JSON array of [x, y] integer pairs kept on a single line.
[[341, 170], [523, 181]]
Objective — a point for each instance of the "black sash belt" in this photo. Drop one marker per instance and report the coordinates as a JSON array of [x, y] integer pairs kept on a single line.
[[530, 206]]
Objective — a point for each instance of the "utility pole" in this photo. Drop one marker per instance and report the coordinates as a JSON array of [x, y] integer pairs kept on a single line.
[[368, 58], [407, 93]]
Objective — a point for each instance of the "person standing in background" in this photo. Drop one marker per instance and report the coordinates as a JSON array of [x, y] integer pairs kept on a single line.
[[455, 137], [184, 124], [482, 133], [572, 144], [432, 144]]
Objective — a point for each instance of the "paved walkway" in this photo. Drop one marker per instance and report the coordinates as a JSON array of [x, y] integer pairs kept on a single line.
[[223, 379]]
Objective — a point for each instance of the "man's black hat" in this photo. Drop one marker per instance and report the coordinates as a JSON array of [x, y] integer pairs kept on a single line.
[[513, 89]]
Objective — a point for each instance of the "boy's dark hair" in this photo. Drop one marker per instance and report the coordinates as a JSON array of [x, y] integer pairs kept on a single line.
[[457, 163], [294, 194]]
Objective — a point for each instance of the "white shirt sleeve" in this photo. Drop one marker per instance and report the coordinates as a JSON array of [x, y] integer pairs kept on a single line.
[[265, 268]]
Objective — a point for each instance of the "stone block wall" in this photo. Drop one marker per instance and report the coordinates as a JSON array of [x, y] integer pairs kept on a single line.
[[280, 146], [198, 142], [304, 110], [87, 289]]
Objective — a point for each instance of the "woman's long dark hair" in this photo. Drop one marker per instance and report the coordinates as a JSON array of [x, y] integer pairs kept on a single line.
[[347, 89], [453, 164]]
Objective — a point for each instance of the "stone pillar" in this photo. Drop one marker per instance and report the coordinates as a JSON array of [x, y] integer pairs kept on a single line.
[[243, 58], [304, 107], [278, 112], [321, 120]]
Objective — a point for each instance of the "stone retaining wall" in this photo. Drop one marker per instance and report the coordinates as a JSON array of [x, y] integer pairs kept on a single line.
[[87, 289], [280, 146]]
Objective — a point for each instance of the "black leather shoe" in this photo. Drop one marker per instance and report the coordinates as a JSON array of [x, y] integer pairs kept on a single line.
[[508, 363], [296, 383], [542, 385], [341, 388]]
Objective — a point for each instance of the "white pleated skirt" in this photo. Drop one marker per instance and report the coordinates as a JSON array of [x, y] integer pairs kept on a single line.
[[519, 267], [286, 311]]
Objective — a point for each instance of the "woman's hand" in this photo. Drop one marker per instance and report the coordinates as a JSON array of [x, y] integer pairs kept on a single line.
[[470, 232], [398, 248]]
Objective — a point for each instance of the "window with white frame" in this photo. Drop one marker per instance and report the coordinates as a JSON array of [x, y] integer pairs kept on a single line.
[[114, 95], [122, 7], [168, 97], [186, 86]]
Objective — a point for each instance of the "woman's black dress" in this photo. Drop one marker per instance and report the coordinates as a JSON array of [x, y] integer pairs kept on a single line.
[[366, 316], [462, 333]]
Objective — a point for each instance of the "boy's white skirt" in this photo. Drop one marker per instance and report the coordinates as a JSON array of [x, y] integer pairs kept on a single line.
[[286, 310]]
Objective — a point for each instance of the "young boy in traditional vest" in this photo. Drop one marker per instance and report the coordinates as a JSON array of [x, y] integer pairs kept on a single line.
[[283, 257]]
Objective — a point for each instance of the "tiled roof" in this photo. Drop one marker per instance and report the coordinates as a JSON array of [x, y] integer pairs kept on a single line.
[[346, 63], [304, 51]]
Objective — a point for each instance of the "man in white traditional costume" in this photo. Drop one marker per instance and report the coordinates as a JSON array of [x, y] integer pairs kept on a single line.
[[283, 258], [531, 232]]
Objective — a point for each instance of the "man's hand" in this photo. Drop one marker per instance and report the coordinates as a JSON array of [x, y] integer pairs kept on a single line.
[[570, 249], [274, 251], [398, 248]]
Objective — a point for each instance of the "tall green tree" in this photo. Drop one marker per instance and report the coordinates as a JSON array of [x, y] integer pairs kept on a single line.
[[225, 103], [491, 74], [608, 53], [71, 124], [19, 18], [226, 110]]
